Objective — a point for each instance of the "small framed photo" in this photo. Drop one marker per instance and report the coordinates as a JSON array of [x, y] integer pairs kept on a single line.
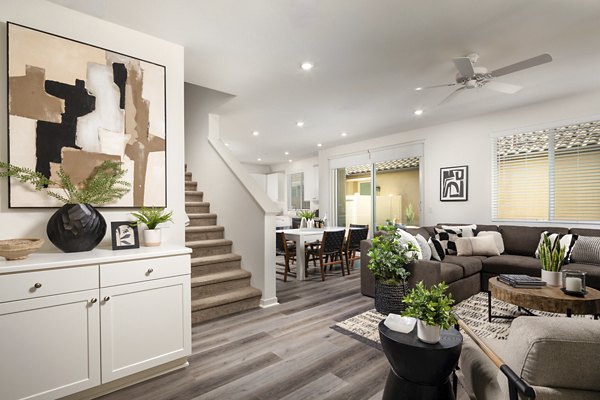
[[124, 235], [454, 183]]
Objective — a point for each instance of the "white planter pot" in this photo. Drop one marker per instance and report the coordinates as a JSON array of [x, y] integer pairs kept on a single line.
[[552, 278], [427, 333], [152, 237]]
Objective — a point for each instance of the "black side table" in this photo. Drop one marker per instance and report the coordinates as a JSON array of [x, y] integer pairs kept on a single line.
[[419, 370]]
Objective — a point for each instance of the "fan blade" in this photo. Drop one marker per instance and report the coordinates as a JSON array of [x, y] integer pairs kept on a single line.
[[464, 66], [437, 86], [451, 96], [502, 87], [532, 62]]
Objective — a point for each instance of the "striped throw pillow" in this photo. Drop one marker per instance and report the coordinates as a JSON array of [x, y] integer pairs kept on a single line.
[[586, 250]]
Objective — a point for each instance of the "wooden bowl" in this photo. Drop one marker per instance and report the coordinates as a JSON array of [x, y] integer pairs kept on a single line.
[[19, 249]]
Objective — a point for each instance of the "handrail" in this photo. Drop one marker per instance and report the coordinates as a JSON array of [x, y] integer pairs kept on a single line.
[[515, 383]]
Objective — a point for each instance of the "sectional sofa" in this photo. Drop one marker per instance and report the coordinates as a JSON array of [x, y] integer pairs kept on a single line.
[[467, 276]]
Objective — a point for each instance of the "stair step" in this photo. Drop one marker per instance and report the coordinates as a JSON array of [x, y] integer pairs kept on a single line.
[[217, 263], [191, 185], [224, 304], [219, 283], [193, 233], [197, 207], [188, 176], [194, 195], [202, 219], [201, 248]]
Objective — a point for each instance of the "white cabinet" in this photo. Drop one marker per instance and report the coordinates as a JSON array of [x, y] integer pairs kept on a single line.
[[49, 346], [65, 329]]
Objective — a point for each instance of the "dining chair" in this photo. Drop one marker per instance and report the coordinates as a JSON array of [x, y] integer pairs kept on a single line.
[[355, 236], [330, 251], [285, 249]]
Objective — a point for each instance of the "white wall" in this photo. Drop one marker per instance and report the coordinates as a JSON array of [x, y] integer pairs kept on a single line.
[[466, 142], [257, 168], [307, 166], [55, 19]]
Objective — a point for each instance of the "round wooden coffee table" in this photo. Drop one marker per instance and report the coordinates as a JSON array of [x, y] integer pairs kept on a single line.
[[548, 298]]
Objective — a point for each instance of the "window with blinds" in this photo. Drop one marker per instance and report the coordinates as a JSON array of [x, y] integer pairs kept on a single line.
[[548, 175]]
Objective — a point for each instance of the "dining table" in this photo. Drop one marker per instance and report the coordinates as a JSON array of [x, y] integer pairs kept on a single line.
[[301, 236]]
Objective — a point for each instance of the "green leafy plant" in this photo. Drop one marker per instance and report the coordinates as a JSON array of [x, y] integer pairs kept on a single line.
[[152, 216], [410, 214], [389, 255], [305, 214], [552, 255], [103, 186], [433, 307]]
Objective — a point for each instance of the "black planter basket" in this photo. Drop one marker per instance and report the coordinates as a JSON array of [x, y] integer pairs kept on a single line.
[[388, 297], [76, 227]]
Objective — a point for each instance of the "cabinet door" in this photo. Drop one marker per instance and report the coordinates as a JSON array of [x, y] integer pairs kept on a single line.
[[50, 346], [144, 325]]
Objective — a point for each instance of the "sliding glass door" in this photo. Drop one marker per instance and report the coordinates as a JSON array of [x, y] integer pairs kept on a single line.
[[353, 195]]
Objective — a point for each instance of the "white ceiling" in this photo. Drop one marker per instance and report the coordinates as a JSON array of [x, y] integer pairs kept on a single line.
[[369, 55]]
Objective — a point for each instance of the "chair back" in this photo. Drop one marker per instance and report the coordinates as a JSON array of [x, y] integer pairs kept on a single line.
[[359, 226], [296, 222], [280, 243], [355, 235], [333, 241]]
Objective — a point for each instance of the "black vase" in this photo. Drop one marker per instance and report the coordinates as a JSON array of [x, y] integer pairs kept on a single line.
[[388, 297], [76, 227]]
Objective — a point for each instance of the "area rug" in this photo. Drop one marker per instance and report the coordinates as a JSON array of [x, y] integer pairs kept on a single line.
[[473, 311]]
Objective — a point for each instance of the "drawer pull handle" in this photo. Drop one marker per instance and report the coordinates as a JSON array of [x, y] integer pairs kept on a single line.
[[93, 300], [37, 285], [107, 298], [150, 270]]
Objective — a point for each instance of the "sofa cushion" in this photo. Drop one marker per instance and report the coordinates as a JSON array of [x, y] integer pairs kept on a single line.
[[419, 231], [592, 273], [523, 240], [585, 231], [510, 264], [586, 250], [451, 272], [470, 265], [481, 228]]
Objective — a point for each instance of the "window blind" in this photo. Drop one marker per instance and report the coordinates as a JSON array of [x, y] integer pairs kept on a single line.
[[548, 175]]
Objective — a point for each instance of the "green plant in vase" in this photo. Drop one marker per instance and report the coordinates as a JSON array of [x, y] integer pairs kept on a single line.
[[410, 214], [152, 217], [306, 215], [77, 225], [552, 258]]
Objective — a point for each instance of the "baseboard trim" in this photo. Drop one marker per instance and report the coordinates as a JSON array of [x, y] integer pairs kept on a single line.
[[266, 303]]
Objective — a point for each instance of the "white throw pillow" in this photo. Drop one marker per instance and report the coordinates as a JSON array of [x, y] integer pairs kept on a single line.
[[425, 249], [406, 237], [477, 246], [497, 237], [467, 230]]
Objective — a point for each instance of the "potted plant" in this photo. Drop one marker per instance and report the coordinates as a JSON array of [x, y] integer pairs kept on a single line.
[[432, 309], [552, 257], [306, 215], [410, 214], [152, 217], [77, 225], [388, 257]]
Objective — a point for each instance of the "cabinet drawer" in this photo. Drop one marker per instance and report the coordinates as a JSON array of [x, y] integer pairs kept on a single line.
[[28, 285], [143, 270]]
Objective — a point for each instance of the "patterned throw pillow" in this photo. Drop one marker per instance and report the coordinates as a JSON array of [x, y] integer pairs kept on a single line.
[[586, 250], [448, 238], [437, 252], [567, 241]]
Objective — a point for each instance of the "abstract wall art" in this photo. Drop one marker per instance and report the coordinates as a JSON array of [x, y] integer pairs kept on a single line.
[[454, 183], [74, 105]]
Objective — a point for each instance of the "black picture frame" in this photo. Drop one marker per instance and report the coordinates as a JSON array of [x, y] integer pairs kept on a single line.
[[454, 183], [119, 242]]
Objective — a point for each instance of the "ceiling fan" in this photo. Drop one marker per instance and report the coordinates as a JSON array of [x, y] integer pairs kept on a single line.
[[470, 77]]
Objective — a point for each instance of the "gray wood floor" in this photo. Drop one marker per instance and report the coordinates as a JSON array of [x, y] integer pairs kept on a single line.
[[284, 352]]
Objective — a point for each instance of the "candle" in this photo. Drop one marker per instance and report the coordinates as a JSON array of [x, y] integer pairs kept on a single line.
[[573, 284]]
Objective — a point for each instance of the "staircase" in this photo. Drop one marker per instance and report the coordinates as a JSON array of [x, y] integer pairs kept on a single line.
[[219, 284]]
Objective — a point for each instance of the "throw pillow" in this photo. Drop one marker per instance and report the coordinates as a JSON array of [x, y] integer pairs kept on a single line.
[[586, 250], [552, 236], [477, 246], [425, 249], [406, 237], [497, 237], [567, 241], [448, 238], [437, 251], [467, 230]]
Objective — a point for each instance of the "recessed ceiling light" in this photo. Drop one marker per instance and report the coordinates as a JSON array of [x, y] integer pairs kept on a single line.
[[319, 145], [256, 133], [289, 160], [344, 134], [307, 66], [300, 124], [418, 112], [227, 144], [259, 159], [286, 153], [418, 88]]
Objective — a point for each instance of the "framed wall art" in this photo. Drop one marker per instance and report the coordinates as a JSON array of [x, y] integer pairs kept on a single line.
[[72, 105], [454, 183], [124, 235]]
